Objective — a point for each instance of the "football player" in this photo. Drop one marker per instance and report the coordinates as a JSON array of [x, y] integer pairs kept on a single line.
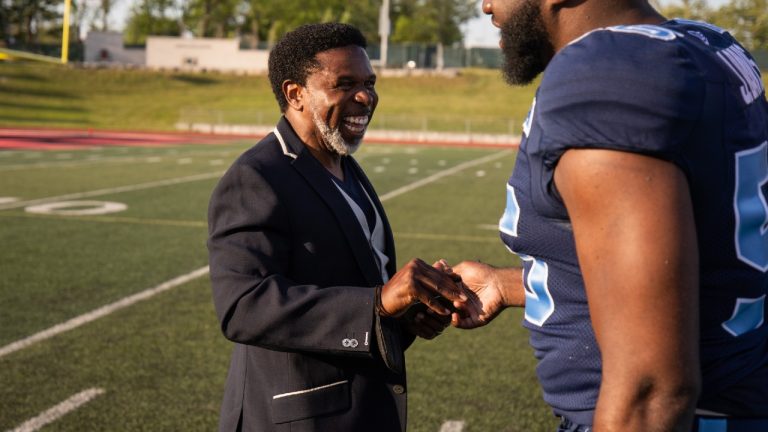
[[638, 208]]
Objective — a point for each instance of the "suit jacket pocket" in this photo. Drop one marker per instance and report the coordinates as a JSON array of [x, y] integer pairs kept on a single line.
[[311, 402]]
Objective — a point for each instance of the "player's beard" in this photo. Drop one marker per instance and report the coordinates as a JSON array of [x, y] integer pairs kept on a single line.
[[525, 44], [332, 136]]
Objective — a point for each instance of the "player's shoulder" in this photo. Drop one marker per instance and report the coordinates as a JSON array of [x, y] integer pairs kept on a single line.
[[644, 62], [627, 49], [666, 45]]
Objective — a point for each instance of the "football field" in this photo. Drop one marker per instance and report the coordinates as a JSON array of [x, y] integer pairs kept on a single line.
[[106, 318]]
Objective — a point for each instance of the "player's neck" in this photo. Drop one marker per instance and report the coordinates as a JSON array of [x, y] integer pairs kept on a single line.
[[571, 23]]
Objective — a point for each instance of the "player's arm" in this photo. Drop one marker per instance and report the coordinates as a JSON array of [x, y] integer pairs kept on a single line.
[[492, 289], [636, 242]]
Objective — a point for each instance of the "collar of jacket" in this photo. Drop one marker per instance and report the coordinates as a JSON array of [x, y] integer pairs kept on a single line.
[[290, 142]]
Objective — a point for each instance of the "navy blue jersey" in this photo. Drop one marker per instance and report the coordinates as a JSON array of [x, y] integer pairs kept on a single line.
[[684, 92]]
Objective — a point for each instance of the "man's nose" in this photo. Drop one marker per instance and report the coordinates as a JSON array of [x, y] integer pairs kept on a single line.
[[487, 7], [365, 97]]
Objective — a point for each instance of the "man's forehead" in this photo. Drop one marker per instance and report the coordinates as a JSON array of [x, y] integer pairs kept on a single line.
[[344, 60]]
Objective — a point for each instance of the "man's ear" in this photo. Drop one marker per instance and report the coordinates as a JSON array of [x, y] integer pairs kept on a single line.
[[559, 4], [294, 94]]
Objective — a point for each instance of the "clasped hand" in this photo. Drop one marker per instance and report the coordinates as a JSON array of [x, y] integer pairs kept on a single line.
[[429, 298], [423, 297]]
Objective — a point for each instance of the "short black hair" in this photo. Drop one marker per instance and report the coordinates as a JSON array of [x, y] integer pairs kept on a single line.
[[294, 56]]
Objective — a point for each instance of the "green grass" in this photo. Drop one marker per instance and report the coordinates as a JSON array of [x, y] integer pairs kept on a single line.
[[53, 95], [162, 362]]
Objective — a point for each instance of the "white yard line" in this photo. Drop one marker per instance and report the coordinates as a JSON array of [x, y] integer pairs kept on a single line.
[[452, 426], [109, 191], [101, 312], [58, 411], [112, 159], [434, 177], [70, 164]]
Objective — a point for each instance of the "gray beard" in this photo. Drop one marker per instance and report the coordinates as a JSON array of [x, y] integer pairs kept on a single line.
[[332, 137]]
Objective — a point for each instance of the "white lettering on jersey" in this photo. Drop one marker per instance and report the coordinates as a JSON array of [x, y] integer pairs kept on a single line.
[[700, 24], [529, 120], [699, 35], [745, 69], [651, 31]]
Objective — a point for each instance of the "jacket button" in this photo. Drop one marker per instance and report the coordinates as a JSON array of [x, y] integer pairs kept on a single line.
[[398, 389]]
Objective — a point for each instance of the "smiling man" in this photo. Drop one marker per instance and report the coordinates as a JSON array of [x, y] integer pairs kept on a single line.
[[303, 261]]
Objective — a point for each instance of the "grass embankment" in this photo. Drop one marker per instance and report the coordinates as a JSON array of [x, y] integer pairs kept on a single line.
[[36, 94]]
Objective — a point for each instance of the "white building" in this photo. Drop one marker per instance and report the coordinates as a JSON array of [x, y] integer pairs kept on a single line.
[[176, 53], [204, 54], [108, 48]]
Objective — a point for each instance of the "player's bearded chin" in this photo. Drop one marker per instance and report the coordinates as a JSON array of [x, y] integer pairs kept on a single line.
[[525, 45]]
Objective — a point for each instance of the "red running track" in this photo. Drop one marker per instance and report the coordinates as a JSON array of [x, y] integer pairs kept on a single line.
[[71, 139]]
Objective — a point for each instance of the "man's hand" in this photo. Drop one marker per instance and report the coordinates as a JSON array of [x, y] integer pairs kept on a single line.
[[423, 322], [492, 290], [418, 282]]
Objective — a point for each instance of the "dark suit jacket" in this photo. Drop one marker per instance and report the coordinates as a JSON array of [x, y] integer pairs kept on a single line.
[[293, 277]]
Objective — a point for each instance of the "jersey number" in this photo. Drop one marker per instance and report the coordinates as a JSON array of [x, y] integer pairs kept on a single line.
[[539, 304], [750, 206], [751, 235]]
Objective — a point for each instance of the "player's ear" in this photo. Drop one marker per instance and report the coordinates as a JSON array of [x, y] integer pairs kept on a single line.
[[558, 4], [294, 94]]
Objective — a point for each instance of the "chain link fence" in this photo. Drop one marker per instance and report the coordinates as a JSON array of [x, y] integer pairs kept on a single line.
[[213, 120]]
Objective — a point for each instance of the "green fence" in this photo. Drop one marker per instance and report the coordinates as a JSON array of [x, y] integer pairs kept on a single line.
[[76, 49], [424, 56]]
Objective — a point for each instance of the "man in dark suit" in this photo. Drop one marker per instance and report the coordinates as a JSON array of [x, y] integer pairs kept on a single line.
[[303, 262]]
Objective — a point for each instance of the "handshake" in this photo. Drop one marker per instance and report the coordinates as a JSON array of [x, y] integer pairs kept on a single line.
[[429, 298]]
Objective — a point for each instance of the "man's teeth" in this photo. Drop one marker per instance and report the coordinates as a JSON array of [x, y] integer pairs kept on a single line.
[[358, 120]]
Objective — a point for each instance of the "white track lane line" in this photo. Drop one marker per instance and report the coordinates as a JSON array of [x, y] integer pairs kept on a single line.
[[101, 312], [434, 177], [58, 411], [452, 426], [108, 309], [127, 188]]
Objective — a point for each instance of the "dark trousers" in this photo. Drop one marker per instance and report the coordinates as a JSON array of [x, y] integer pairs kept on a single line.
[[719, 424], [700, 424], [569, 426]]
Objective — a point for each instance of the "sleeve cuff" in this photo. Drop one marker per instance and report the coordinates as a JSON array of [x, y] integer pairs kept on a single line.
[[390, 347]]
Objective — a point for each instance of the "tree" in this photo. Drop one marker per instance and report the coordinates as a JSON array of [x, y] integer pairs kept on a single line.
[[431, 21], [423, 21], [689, 9], [152, 17], [214, 18], [25, 22], [747, 20], [268, 20], [105, 9]]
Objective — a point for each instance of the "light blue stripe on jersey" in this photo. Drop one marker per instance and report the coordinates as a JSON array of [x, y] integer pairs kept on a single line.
[[713, 425]]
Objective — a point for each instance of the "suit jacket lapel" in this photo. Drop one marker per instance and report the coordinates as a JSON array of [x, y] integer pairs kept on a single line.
[[388, 237], [316, 176]]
